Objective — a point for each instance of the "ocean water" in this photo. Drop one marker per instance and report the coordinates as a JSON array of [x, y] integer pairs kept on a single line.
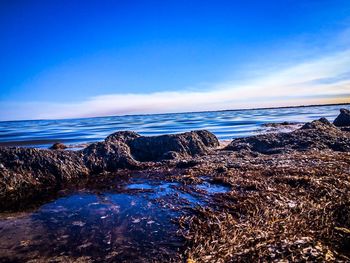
[[224, 124]]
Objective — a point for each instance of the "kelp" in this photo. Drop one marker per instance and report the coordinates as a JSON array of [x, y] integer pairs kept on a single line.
[[286, 207]]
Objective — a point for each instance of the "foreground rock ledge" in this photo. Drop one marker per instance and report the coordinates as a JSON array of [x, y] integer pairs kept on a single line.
[[30, 174]]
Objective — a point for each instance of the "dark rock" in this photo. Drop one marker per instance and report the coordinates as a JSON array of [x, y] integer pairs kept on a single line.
[[58, 146], [156, 148], [29, 173], [343, 118], [108, 156], [320, 134], [322, 123], [127, 149]]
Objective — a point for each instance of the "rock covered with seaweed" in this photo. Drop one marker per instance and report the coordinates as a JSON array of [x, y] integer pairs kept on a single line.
[[171, 146], [319, 134], [27, 173], [111, 154], [128, 149]]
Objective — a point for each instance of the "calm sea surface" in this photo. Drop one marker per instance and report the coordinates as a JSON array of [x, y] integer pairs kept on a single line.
[[224, 124]]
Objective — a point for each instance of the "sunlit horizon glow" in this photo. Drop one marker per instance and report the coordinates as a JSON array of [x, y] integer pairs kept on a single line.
[[308, 70]]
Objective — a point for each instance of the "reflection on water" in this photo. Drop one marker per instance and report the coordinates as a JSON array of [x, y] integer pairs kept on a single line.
[[133, 223], [213, 188], [224, 124], [101, 226]]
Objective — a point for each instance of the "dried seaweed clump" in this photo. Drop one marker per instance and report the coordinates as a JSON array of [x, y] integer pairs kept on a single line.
[[298, 212]]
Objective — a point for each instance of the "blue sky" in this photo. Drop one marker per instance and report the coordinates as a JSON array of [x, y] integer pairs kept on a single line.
[[64, 59]]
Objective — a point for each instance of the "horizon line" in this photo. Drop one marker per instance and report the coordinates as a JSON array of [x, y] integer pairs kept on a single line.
[[184, 112]]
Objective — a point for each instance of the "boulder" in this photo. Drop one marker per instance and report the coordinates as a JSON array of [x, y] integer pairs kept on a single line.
[[319, 134], [343, 118], [27, 173], [156, 148], [108, 156], [127, 149]]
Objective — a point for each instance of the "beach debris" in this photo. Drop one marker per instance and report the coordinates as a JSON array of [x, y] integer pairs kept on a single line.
[[298, 211]]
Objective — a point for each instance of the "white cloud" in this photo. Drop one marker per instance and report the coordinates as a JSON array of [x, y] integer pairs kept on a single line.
[[295, 85]]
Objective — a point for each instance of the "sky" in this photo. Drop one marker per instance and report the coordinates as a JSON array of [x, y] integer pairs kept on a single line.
[[68, 59]]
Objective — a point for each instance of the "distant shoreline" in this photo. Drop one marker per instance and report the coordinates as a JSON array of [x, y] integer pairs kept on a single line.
[[166, 113]]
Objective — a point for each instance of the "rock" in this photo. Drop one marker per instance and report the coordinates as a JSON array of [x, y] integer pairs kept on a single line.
[[127, 149], [58, 146], [108, 156], [322, 123], [30, 173], [343, 118], [319, 134], [156, 148], [122, 136]]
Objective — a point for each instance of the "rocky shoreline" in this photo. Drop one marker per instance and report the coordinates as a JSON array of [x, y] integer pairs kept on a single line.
[[28, 174], [289, 199]]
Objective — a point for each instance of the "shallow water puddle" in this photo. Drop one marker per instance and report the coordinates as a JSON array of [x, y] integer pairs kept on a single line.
[[166, 193], [141, 186], [211, 188], [132, 223], [104, 226], [128, 224]]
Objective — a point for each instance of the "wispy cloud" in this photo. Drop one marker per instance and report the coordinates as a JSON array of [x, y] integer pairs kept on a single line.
[[325, 79]]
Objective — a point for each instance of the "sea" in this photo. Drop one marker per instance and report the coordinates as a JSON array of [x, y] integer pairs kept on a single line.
[[225, 125]]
